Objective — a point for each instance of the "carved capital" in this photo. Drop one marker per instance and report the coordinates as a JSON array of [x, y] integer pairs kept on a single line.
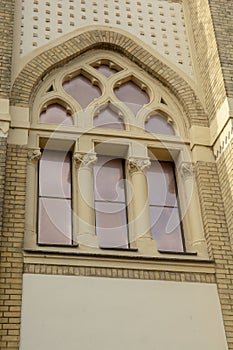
[[187, 169], [84, 159], [34, 155], [138, 164], [4, 126]]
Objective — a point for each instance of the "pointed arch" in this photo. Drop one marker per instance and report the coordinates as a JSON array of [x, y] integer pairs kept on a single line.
[[38, 67], [109, 116]]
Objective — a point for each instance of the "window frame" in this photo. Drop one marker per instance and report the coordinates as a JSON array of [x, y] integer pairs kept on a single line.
[[182, 237], [69, 153], [123, 167]]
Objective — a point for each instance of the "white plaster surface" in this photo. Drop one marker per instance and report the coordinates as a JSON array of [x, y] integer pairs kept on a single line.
[[72, 312], [159, 23]]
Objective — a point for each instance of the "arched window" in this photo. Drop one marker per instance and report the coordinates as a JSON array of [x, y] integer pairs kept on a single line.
[[110, 171]]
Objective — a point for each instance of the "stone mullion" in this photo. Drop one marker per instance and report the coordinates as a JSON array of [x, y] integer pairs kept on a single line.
[[141, 216], [218, 239], [195, 238], [31, 207], [85, 217]]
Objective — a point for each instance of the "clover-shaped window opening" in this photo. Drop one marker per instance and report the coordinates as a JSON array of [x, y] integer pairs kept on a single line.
[[108, 117], [106, 67], [55, 113], [83, 89], [133, 94], [159, 124]]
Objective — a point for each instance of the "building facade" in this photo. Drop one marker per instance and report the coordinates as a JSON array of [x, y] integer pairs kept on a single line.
[[116, 219]]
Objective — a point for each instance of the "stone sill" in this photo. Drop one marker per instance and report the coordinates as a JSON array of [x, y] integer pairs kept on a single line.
[[176, 262]]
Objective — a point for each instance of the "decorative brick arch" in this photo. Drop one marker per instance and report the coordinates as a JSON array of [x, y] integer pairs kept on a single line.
[[64, 52]]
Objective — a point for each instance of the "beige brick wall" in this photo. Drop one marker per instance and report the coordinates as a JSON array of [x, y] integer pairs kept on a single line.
[[207, 55], [2, 176], [6, 41], [217, 236], [225, 170], [11, 242], [223, 26]]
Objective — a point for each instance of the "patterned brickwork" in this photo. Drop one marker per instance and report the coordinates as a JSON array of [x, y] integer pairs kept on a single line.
[[6, 40], [119, 273], [207, 55], [41, 65], [11, 242], [223, 26], [160, 24], [218, 239], [225, 170]]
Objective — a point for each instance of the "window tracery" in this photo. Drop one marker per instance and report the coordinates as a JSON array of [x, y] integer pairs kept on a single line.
[[96, 83]]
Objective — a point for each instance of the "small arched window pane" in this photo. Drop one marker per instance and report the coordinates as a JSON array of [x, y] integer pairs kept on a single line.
[[132, 96], [107, 118], [157, 124], [106, 70], [82, 90], [56, 114]]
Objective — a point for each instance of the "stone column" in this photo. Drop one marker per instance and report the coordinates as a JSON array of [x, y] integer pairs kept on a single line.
[[85, 216], [195, 241], [141, 215], [30, 238]]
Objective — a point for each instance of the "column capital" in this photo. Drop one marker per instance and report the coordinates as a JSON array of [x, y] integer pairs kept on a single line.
[[84, 159], [34, 155], [138, 164], [187, 169]]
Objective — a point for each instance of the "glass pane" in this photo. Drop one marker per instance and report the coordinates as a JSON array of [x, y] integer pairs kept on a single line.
[[158, 124], [82, 90], [56, 114], [106, 70], [109, 180], [161, 184], [55, 174], [166, 230], [108, 119], [132, 96], [111, 225], [55, 221]]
